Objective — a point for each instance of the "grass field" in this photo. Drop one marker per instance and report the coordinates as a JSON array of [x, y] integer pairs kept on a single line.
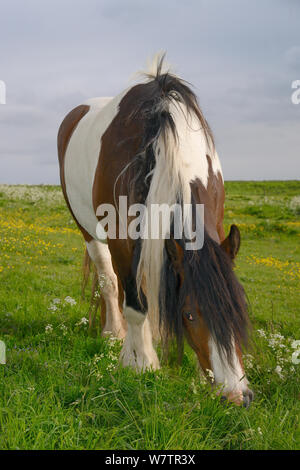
[[63, 389]]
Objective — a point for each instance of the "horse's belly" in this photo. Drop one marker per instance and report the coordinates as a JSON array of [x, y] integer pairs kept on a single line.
[[81, 161]]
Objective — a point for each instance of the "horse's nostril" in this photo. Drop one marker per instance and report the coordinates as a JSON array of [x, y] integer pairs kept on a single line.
[[248, 396], [246, 401]]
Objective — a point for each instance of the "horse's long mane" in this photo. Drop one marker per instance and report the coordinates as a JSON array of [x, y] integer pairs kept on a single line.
[[153, 108], [208, 272], [159, 169]]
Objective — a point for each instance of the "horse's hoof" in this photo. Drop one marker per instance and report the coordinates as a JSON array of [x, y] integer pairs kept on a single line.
[[140, 362]]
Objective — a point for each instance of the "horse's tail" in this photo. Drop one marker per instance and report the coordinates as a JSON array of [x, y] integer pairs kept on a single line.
[[172, 109], [89, 268], [86, 271]]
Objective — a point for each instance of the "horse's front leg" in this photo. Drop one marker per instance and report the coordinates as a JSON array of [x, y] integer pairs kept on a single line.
[[137, 350]]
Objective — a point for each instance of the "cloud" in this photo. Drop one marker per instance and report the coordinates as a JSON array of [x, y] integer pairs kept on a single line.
[[293, 57]]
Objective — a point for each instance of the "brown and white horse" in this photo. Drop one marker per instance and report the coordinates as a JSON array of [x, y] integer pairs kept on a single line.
[[152, 144]]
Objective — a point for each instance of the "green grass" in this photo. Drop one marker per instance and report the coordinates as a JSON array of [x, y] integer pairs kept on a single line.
[[63, 389]]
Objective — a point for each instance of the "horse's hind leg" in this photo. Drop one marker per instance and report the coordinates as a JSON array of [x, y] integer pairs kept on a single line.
[[109, 290]]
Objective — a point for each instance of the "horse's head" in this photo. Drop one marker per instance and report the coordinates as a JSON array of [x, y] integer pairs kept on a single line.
[[206, 303]]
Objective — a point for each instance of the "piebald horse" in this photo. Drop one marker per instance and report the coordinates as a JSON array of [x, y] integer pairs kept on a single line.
[[152, 144]]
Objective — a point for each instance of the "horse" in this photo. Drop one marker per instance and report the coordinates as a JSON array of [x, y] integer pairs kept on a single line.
[[152, 144]]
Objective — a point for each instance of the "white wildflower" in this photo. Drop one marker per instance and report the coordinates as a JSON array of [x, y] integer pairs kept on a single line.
[[275, 340], [278, 370], [98, 358], [112, 340], [63, 328], [248, 361], [97, 294], [296, 344], [48, 328], [70, 301], [51, 197], [84, 321], [202, 378], [261, 333], [53, 308], [296, 357], [295, 203], [277, 335], [193, 386], [210, 374]]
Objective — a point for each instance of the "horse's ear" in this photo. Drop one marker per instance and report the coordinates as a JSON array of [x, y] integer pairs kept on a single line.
[[174, 252], [231, 244]]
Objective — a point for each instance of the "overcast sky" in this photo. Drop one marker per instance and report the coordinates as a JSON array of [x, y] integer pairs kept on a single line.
[[241, 56]]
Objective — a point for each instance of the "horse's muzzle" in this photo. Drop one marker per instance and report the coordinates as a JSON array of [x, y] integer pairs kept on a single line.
[[242, 398]]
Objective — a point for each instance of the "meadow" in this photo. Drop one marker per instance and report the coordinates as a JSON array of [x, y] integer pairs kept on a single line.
[[62, 388]]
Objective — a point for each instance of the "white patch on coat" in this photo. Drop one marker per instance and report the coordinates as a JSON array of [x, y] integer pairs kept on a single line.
[[216, 165], [137, 351], [232, 379], [100, 255], [82, 157], [192, 146]]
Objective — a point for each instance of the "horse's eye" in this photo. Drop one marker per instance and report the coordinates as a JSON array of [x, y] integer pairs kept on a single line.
[[189, 316]]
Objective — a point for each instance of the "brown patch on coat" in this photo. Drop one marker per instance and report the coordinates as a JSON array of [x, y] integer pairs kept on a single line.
[[213, 197], [119, 144], [198, 338]]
